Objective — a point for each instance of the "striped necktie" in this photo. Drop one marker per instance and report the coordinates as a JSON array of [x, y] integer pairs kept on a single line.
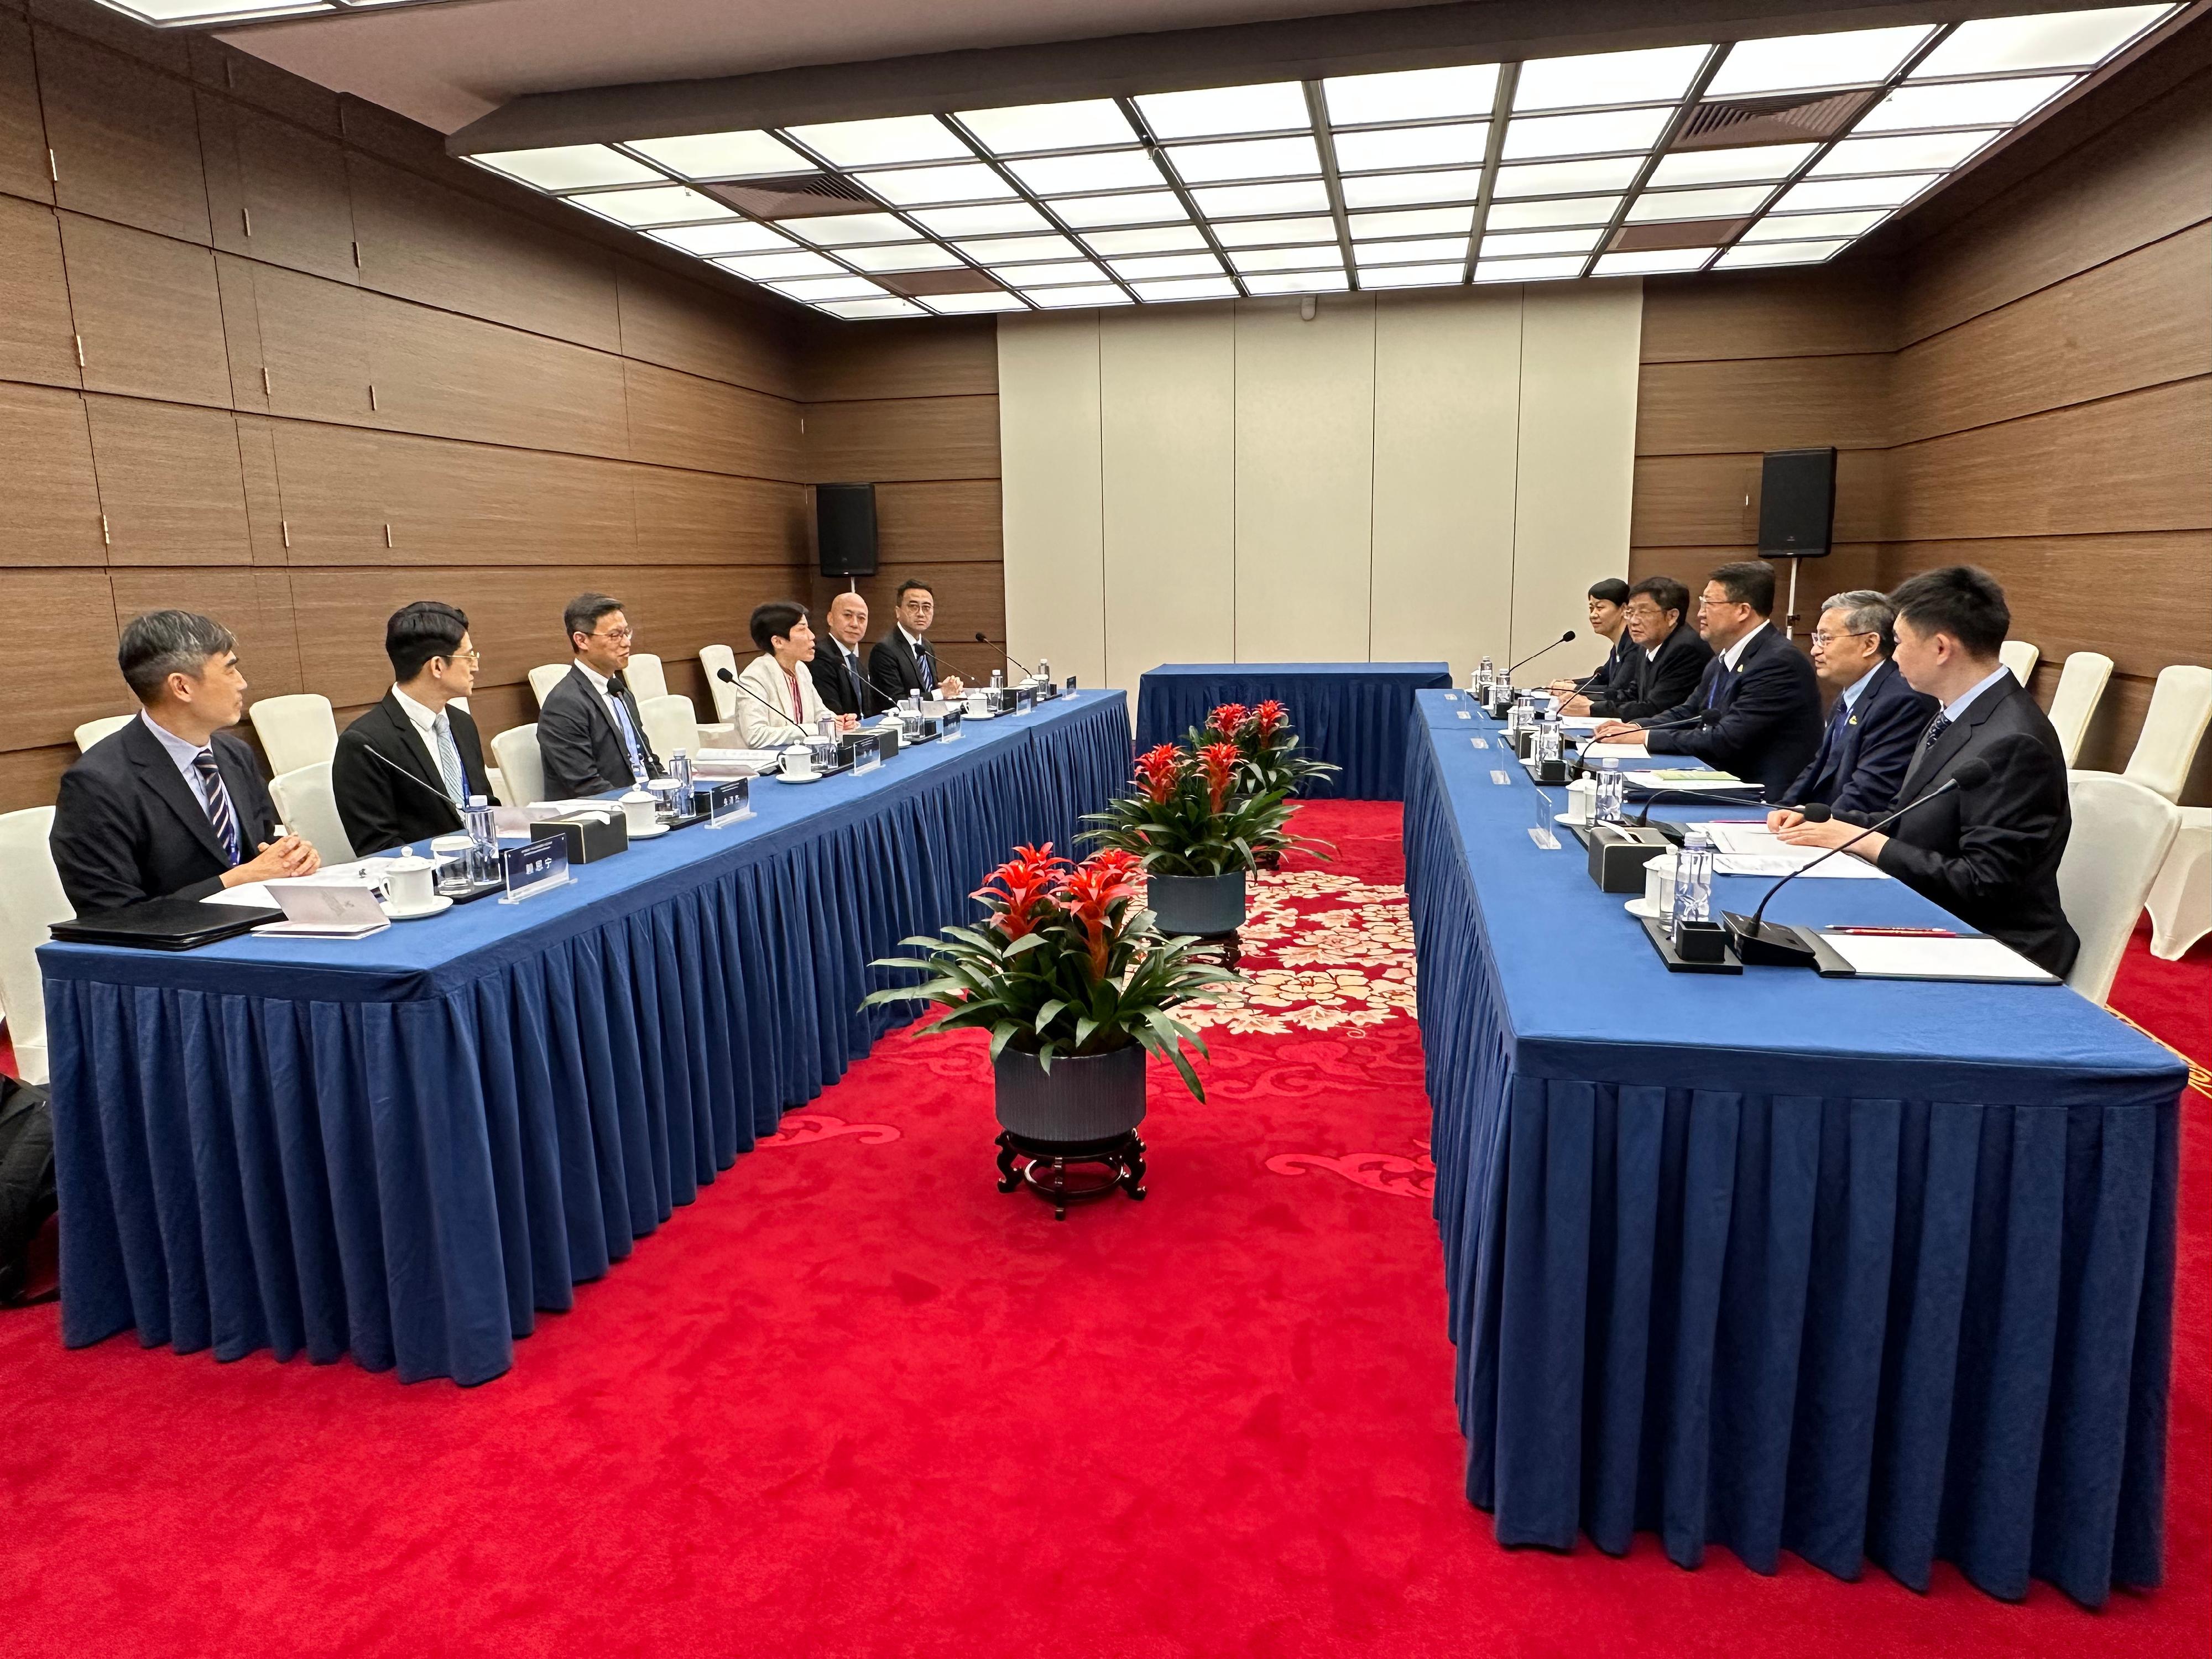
[[1936, 727], [216, 799], [449, 758]]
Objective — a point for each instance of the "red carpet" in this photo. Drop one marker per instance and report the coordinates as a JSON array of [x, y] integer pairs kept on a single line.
[[857, 1401]]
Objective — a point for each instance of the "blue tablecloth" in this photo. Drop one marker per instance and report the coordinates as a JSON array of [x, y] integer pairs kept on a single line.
[[402, 1147], [1351, 715], [1859, 1269]]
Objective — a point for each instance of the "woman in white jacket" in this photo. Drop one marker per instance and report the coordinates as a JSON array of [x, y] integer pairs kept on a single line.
[[778, 681]]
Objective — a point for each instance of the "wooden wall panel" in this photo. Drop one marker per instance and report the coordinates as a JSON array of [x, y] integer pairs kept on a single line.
[[36, 342], [958, 521], [1756, 403], [275, 193], [451, 503], [663, 322], [53, 500], [703, 518], [149, 313], [22, 129], [682, 420], [72, 677], [254, 605], [1712, 501], [126, 138], [309, 335], [1837, 309], [169, 482], [904, 360], [902, 438]]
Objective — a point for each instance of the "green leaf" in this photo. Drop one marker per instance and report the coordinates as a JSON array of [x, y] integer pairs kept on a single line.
[[1044, 1015], [1001, 1034]]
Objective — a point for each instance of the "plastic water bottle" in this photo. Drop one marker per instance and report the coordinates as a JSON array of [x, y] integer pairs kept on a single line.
[[1044, 671], [1693, 880], [1548, 738], [1612, 786], [483, 840], [1486, 674], [998, 679], [679, 767]]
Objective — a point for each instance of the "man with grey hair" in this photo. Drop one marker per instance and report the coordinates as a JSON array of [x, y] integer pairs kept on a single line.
[[171, 806], [1875, 723]]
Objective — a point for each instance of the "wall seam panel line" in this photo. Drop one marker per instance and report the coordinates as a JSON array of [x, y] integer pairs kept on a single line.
[[1105, 611], [2040, 414], [1520, 409], [2056, 283], [1374, 416]]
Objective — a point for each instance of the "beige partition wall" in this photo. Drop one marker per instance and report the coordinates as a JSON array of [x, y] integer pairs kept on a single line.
[[1400, 477]]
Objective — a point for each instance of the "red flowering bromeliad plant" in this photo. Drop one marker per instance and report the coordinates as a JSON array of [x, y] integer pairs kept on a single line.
[[1068, 963], [1192, 815], [1266, 747]]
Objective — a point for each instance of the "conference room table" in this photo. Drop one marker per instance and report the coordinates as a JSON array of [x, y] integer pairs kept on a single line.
[[1862, 1269], [1351, 715], [404, 1146]]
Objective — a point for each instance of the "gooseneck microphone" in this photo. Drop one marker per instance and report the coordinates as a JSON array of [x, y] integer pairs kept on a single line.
[[1785, 946], [1538, 652], [983, 639], [783, 714], [442, 798], [1754, 799]]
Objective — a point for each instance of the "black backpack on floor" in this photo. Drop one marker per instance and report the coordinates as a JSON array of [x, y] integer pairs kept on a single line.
[[26, 1181]]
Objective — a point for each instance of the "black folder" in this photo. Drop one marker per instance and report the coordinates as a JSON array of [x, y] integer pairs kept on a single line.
[[165, 924]]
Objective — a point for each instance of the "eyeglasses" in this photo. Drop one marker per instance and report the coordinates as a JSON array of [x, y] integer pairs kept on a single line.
[[471, 657], [616, 635], [1644, 612], [1819, 638]]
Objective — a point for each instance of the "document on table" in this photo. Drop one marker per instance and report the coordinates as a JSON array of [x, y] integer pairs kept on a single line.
[[1613, 752], [1894, 956], [1752, 849]]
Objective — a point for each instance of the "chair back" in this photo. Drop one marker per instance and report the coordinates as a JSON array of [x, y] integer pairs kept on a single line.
[[544, 678], [2121, 834], [2073, 704], [106, 727], [306, 806], [31, 901], [671, 724], [2180, 710], [645, 677], [2020, 656], [521, 772], [715, 659], [295, 731]]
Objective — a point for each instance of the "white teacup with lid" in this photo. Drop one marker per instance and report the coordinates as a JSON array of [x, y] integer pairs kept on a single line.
[[641, 813], [408, 879]]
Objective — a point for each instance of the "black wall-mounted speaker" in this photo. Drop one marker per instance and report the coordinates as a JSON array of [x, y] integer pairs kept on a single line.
[[1797, 503], [845, 528]]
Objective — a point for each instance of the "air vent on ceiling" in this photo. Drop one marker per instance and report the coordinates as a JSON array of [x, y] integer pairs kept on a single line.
[[915, 284], [1652, 236], [1720, 123], [795, 195]]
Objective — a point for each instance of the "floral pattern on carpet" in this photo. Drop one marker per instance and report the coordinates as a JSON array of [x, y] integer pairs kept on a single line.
[[1322, 951]]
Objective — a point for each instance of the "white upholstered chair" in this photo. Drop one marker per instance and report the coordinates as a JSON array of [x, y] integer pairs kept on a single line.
[[295, 731], [544, 678], [715, 659], [671, 724], [645, 677], [2121, 834], [31, 901], [93, 731], [2020, 656], [306, 806], [522, 773], [2082, 685], [2180, 710]]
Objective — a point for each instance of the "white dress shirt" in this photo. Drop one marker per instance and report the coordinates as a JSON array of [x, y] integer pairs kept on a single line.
[[1959, 705], [1734, 654], [186, 758], [625, 728], [758, 726]]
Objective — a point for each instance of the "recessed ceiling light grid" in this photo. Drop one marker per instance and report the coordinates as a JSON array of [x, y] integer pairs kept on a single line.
[[1790, 149]]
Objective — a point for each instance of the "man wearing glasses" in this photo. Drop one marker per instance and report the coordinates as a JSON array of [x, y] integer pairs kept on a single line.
[[404, 769], [590, 736], [1874, 729], [1664, 658]]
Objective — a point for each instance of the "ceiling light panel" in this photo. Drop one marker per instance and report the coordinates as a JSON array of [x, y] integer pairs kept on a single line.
[[1963, 104], [1648, 265], [1822, 195], [1052, 276], [1437, 276], [1319, 256], [1540, 215], [1152, 207], [1058, 175], [1279, 106], [1803, 226], [763, 267], [884, 143], [900, 256], [1166, 264], [1413, 221], [885, 306], [1256, 158], [1262, 201], [1029, 129], [961, 305], [1009, 250], [1427, 250], [1271, 233], [1410, 96], [1198, 287], [1604, 132], [671, 204], [1747, 254], [570, 167], [845, 229], [1165, 239], [1569, 178], [723, 155], [1299, 281], [1657, 76], [1527, 270], [1753, 164], [1498, 243], [1382, 190], [2076, 40], [1917, 152], [731, 236], [831, 288], [1058, 299], [1811, 63], [1732, 203], [1459, 144], [1007, 218], [937, 187]]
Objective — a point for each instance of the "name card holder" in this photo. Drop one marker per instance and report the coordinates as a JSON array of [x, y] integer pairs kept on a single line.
[[1541, 832], [867, 753], [730, 803], [1070, 683], [537, 868], [1480, 743], [1025, 699], [948, 729], [1497, 776]]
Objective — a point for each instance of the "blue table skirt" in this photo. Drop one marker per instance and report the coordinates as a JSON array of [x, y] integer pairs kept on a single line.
[[1351, 715], [406, 1161], [1789, 1314]]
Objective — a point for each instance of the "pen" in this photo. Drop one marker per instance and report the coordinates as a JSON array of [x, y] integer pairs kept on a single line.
[[1895, 933]]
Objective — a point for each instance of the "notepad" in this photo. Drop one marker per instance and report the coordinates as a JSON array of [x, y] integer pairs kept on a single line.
[[1890, 955]]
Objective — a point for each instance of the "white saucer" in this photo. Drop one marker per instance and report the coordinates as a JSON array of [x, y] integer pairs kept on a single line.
[[1637, 906], [811, 777], [1569, 820], [647, 835], [438, 906]]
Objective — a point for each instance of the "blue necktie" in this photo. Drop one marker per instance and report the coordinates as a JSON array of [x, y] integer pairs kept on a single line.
[[1713, 688], [922, 668], [628, 731], [216, 799]]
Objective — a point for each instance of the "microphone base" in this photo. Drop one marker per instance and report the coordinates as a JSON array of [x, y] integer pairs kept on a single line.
[[1768, 945], [1663, 943]]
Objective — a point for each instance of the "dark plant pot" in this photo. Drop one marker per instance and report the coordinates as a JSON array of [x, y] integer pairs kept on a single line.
[[1198, 904], [1083, 1098], [1269, 861]]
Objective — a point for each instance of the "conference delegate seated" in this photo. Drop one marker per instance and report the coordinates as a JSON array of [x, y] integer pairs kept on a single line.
[[1756, 711], [1988, 851], [1874, 727], [1609, 622], [778, 680], [838, 674], [171, 806], [591, 738], [902, 664], [405, 769], [1664, 661]]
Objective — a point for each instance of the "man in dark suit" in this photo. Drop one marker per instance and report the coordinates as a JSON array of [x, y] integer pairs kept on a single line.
[[902, 662], [1664, 658], [404, 768], [1987, 854], [1874, 729], [171, 806], [838, 674], [591, 738], [1756, 710], [1609, 622]]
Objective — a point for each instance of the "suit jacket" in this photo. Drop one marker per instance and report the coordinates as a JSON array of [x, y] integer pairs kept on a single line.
[[1990, 856], [127, 828], [892, 666], [582, 752], [758, 726], [379, 808], [1760, 720], [1616, 673], [1861, 761], [838, 694], [1658, 684]]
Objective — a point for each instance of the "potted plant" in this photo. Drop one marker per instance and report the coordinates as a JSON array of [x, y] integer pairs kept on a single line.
[[1195, 835], [1268, 757], [1073, 981]]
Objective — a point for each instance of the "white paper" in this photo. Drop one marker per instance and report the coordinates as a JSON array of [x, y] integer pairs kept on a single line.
[[1906, 958], [1615, 751], [251, 893], [1583, 722], [1842, 866], [1644, 784]]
